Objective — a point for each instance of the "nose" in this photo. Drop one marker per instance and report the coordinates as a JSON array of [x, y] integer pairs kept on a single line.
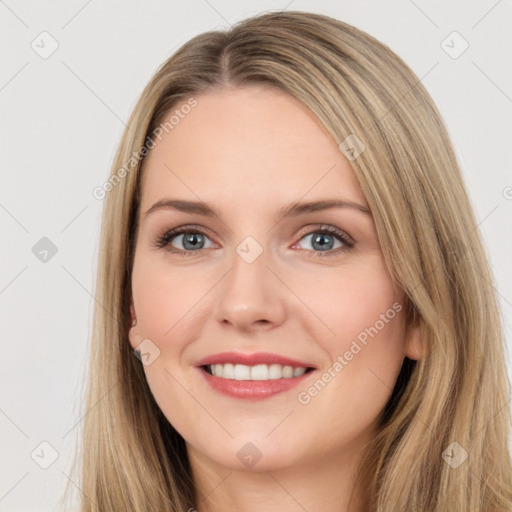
[[250, 297]]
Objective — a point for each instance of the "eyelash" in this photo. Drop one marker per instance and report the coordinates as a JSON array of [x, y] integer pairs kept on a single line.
[[167, 237]]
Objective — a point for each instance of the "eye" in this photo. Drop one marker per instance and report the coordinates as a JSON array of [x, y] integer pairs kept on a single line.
[[191, 239], [324, 238]]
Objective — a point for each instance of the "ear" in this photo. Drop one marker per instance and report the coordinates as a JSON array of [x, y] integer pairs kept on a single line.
[[132, 333], [414, 346]]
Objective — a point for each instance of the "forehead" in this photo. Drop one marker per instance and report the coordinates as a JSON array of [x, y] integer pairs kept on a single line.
[[247, 144]]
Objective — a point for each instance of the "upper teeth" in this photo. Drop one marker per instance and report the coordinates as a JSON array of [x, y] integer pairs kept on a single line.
[[257, 372]]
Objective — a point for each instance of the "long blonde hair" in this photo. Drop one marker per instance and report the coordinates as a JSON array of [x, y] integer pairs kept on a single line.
[[133, 459]]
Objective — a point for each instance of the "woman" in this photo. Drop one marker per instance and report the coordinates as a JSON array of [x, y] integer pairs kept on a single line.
[[289, 251]]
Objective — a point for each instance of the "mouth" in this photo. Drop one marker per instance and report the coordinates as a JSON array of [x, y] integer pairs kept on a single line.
[[253, 376], [258, 372]]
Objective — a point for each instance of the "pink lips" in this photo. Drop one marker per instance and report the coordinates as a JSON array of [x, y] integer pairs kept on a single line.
[[251, 389]]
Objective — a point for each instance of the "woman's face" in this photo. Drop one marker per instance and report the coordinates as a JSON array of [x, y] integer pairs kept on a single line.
[[247, 280]]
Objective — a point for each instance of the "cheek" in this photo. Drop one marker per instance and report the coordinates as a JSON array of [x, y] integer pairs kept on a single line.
[[166, 300], [354, 303], [365, 344]]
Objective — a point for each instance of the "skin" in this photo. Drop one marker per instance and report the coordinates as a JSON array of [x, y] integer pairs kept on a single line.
[[247, 152]]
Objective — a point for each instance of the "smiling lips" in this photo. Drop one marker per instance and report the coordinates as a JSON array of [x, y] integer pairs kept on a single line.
[[252, 376]]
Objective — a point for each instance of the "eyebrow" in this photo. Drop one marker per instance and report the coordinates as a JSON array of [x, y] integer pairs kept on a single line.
[[292, 210]]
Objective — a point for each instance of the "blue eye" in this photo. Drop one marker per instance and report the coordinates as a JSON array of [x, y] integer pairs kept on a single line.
[[193, 240], [324, 238]]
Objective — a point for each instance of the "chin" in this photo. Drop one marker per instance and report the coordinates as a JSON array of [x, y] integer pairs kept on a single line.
[[257, 455]]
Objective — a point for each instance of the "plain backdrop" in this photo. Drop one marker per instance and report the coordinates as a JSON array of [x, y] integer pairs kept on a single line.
[[70, 75]]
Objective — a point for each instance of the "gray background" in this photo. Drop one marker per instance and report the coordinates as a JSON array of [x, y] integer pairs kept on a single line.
[[62, 118]]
